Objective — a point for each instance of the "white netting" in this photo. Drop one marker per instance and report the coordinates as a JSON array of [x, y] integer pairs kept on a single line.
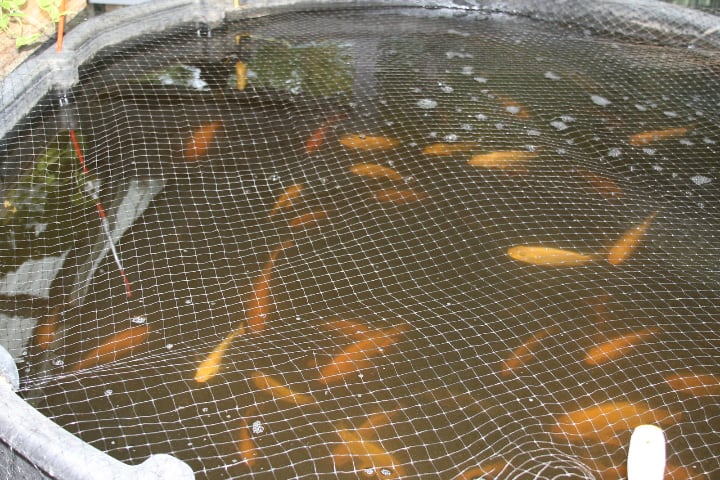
[[404, 169]]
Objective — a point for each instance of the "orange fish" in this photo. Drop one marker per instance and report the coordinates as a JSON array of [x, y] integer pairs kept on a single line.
[[619, 346], [678, 472], [524, 353], [209, 367], [359, 355], [447, 149], [375, 171], [368, 429], [44, 332], [199, 143], [645, 138], [368, 142], [697, 384], [367, 455], [350, 328], [548, 256], [257, 308], [307, 220], [117, 346], [246, 445], [279, 391], [605, 422], [509, 160], [601, 184], [317, 138], [400, 197], [287, 199], [241, 74], [488, 471], [512, 106], [629, 241]]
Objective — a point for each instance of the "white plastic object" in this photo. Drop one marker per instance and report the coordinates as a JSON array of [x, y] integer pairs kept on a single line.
[[646, 458]]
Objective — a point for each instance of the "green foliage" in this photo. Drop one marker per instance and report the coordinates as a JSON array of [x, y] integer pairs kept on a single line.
[[11, 14]]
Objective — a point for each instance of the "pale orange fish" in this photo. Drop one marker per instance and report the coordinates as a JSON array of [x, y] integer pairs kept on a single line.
[[199, 143], [366, 455], [350, 328], [368, 429], [359, 355], [317, 138], [645, 138], [447, 149], [257, 308], [605, 422], [400, 197], [241, 74], [678, 472], [629, 241], [524, 353], [512, 106], [368, 142], [510, 160], [287, 199], [605, 186], [209, 367], [117, 346], [279, 391], [375, 171], [488, 471], [307, 220], [44, 332], [548, 256], [696, 384], [246, 444], [619, 346]]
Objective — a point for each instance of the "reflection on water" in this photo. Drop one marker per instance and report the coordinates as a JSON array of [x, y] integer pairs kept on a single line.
[[437, 264]]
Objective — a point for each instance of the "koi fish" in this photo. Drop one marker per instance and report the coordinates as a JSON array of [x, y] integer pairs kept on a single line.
[[488, 470], [601, 184], [400, 197], [307, 220], [279, 391], [368, 142], [241, 73], [117, 346], [645, 138], [619, 346], [629, 241], [258, 305], [699, 385], [44, 332], [367, 455], [287, 199], [209, 367], [350, 328], [317, 138], [199, 143], [375, 171], [509, 160], [524, 353], [512, 106], [447, 149], [605, 422], [358, 355], [246, 445], [548, 256], [678, 472]]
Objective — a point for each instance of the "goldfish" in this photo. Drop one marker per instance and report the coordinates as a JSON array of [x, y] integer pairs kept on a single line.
[[307, 220], [359, 355], [512, 106], [257, 307], [44, 331], [246, 445], [486, 471], [524, 353], [447, 149], [209, 367], [367, 455], [697, 384], [605, 186], [511, 160], [241, 73], [368, 142], [606, 421], [548, 256], [279, 391], [619, 346], [368, 429], [375, 171], [117, 346], [629, 241], [287, 199], [400, 197], [317, 137], [199, 143], [645, 138]]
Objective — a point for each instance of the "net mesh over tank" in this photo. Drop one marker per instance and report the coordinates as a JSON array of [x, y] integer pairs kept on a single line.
[[379, 242]]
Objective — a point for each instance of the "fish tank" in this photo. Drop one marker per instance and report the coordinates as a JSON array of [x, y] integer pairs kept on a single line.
[[384, 239]]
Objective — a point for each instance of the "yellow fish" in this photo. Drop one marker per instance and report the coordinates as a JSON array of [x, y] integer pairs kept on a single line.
[[644, 138], [368, 142], [375, 171], [618, 346], [241, 73], [367, 455], [287, 199], [119, 345], [279, 391], [513, 160], [697, 384], [447, 149], [548, 256], [629, 241], [209, 367], [524, 353]]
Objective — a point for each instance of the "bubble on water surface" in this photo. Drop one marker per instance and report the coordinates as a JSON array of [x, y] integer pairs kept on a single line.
[[700, 179], [601, 101], [552, 76]]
